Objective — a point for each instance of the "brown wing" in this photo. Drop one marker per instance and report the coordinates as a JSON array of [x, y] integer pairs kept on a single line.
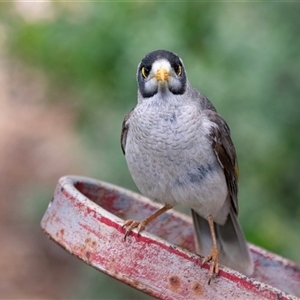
[[226, 155], [124, 131]]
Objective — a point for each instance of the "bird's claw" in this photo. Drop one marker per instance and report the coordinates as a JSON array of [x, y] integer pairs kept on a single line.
[[213, 258], [131, 224]]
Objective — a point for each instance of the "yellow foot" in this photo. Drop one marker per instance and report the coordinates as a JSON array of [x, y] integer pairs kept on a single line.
[[131, 224], [213, 257]]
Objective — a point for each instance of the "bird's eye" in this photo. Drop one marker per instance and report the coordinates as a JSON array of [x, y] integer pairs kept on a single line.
[[178, 70], [145, 72]]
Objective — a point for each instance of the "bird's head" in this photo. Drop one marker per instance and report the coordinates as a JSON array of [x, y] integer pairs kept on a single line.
[[159, 72]]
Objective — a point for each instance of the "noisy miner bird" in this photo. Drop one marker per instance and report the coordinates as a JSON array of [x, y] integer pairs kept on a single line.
[[179, 151]]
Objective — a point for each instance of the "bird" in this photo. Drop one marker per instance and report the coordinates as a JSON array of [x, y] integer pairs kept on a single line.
[[179, 150]]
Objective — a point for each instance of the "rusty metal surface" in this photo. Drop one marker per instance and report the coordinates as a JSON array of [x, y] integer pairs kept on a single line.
[[86, 216]]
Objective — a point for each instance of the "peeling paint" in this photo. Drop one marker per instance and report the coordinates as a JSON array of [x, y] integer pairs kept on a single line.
[[86, 218]]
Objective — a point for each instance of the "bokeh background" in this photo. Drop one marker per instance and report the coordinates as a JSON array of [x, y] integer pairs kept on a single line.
[[67, 78]]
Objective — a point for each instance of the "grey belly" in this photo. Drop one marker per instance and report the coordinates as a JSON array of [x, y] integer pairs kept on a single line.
[[183, 177]]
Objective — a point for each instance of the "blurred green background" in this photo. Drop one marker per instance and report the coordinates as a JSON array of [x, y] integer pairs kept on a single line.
[[67, 78]]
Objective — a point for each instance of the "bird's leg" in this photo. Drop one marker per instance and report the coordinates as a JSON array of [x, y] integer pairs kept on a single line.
[[213, 256], [131, 224]]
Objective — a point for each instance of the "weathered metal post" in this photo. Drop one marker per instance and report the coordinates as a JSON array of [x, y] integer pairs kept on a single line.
[[86, 216]]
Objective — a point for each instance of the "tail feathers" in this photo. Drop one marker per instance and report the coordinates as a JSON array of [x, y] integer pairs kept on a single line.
[[234, 252]]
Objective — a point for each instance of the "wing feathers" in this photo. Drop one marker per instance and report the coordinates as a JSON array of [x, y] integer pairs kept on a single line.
[[225, 153], [124, 131]]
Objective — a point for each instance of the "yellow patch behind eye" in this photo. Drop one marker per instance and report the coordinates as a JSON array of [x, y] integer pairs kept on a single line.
[[179, 71], [144, 73]]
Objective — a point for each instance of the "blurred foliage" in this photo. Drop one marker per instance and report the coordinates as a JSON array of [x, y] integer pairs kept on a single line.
[[245, 57]]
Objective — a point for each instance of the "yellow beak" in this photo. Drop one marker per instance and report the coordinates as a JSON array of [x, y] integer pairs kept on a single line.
[[161, 75]]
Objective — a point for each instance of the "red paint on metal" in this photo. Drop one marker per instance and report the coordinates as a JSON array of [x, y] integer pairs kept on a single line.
[[149, 263], [175, 281], [111, 223]]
